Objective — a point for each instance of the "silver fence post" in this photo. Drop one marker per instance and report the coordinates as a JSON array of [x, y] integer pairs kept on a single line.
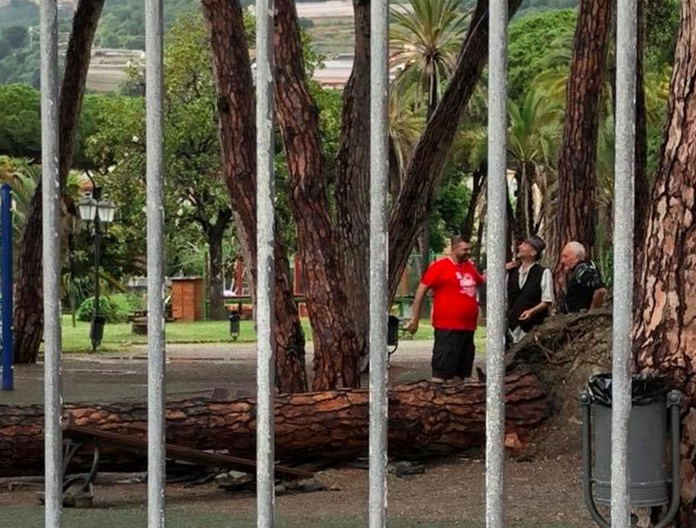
[[495, 244], [50, 183], [265, 226], [379, 168], [155, 264], [626, 41]]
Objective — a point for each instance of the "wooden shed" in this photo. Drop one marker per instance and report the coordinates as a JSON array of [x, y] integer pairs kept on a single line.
[[187, 298]]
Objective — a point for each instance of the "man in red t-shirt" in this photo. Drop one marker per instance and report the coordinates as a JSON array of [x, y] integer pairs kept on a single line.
[[453, 280]]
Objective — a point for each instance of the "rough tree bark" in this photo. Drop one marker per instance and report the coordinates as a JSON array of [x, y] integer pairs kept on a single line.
[[665, 329], [336, 356], [28, 311], [478, 181], [577, 179], [237, 131], [434, 145], [424, 419], [352, 179], [214, 234], [642, 180]]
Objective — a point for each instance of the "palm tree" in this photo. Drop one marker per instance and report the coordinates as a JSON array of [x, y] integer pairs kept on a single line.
[[425, 38], [533, 135], [405, 127]]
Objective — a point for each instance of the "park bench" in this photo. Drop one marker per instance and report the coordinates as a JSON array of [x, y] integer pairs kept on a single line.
[[79, 436]]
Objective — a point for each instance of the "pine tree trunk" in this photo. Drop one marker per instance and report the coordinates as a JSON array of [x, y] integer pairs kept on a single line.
[[352, 179], [216, 283], [478, 181], [642, 179], [28, 310], [666, 316], [424, 419], [432, 150], [237, 131], [337, 342], [577, 178]]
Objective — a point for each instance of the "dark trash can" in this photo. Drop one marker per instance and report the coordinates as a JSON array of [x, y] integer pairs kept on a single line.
[[653, 461], [96, 330], [647, 440], [393, 333], [234, 324]]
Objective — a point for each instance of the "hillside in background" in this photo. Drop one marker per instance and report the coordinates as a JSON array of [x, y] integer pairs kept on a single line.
[[120, 37]]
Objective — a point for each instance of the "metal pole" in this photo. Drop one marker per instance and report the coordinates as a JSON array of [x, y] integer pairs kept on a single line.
[[626, 59], [155, 264], [94, 333], [50, 184], [379, 169], [265, 227], [495, 244], [7, 303]]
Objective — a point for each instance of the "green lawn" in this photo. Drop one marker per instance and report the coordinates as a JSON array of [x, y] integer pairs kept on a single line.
[[118, 336]]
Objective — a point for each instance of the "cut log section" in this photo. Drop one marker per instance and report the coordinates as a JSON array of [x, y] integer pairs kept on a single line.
[[424, 419]]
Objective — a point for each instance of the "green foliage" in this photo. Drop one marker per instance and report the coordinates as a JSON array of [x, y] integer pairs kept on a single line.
[[20, 127], [19, 13], [661, 30], [449, 208], [534, 41], [538, 6], [107, 308], [425, 38]]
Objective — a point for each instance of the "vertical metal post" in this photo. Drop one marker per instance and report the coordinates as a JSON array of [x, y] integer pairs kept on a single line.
[[50, 184], [7, 302], [626, 41], [495, 244], [95, 334], [379, 169], [265, 228], [155, 264]]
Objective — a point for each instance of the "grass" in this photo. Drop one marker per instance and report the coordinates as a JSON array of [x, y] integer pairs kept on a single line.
[[118, 336]]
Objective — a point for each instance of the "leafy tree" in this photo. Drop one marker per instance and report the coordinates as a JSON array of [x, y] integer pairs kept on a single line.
[[534, 40], [192, 147], [533, 134], [20, 128], [19, 13], [28, 312], [15, 36]]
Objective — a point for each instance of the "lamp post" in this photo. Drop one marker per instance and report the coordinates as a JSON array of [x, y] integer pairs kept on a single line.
[[92, 209]]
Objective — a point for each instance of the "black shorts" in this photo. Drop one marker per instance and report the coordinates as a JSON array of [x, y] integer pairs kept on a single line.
[[453, 354]]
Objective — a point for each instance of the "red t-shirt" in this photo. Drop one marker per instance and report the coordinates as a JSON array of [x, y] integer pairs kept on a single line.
[[454, 294]]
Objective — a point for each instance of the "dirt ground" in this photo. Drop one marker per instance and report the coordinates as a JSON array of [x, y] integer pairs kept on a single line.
[[541, 490], [541, 493]]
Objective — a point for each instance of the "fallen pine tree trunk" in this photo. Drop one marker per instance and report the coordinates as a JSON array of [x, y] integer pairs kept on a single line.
[[424, 419]]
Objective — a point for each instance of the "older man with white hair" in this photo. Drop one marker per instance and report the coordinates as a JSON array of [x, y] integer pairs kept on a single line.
[[584, 288]]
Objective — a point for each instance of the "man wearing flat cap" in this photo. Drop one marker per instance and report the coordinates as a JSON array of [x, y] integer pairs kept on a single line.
[[529, 289]]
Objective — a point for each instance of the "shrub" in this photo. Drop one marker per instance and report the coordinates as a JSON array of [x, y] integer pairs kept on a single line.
[[106, 308]]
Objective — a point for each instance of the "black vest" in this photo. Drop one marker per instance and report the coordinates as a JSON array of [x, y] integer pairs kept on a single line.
[[521, 299]]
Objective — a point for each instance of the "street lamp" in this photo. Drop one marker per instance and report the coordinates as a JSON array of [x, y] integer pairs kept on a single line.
[[92, 209]]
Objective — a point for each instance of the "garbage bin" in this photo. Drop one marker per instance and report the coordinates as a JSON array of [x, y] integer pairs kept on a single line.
[[393, 332], [96, 330], [234, 324], [649, 471]]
